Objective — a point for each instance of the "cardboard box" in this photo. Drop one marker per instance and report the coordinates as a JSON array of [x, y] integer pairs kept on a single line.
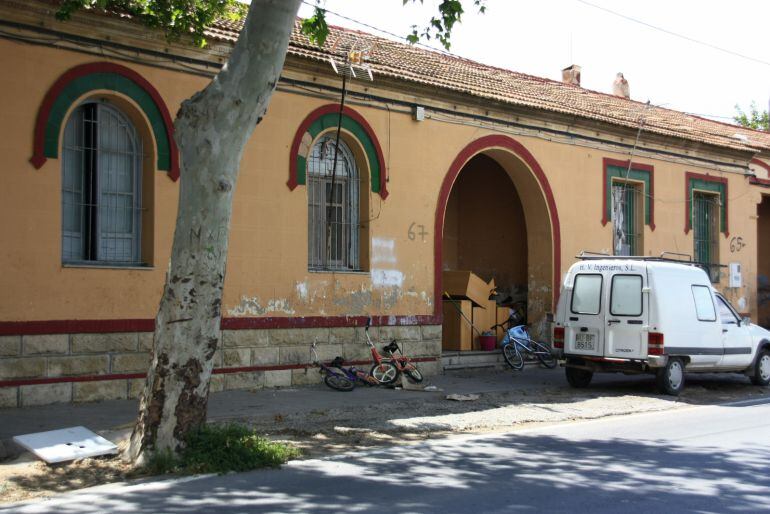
[[484, 317], [501, 315], [467, 286], [457, 333]]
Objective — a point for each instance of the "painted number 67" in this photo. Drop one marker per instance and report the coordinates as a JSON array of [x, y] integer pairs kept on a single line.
[[420, 232]]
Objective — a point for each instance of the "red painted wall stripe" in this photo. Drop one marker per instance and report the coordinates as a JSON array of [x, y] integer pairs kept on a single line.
[[474, 148], [148, 325], [218, 371]]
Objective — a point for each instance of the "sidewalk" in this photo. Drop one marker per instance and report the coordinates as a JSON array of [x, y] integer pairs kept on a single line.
[[268, 403], [318, 416]]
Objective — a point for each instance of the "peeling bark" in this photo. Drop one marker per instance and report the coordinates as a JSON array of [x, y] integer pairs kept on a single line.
[[211, 131]]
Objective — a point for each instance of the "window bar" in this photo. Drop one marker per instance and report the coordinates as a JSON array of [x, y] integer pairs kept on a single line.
[[91, 180]]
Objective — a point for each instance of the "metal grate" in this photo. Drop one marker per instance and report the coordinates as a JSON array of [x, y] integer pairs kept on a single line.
[[626, 218], [706, 213], [101, 187], [332, 214]]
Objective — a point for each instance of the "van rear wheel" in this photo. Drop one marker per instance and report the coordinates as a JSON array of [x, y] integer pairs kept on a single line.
[[578, 378], [761, 374], [670, 378]]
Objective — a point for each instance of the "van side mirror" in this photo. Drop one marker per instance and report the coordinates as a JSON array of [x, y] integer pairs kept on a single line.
[[746, 321]]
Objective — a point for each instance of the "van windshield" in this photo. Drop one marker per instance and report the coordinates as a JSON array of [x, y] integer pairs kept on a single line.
[[587, 294]]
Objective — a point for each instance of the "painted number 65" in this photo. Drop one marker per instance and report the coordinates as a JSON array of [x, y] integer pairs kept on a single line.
[[737, 244]]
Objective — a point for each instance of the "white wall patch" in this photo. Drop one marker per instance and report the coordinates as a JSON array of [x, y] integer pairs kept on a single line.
[[302, 291], [383, 251], [253, 307], [387, 278]]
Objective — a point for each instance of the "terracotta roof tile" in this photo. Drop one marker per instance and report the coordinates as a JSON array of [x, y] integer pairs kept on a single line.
[[414, 64]]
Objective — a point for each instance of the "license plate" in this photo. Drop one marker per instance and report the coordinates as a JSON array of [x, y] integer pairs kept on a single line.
[[585, 341]]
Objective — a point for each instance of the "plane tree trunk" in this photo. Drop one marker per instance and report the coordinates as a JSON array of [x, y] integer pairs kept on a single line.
[[211, 131]]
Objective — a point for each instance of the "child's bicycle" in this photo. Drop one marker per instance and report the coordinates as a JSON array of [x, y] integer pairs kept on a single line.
[[517, 346], [339, 377], [386, 370]]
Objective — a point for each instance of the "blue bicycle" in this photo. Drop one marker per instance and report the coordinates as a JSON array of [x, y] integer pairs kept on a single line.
[[518, 346], [339, 377]]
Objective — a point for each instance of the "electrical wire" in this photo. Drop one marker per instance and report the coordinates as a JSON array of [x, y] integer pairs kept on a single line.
[[625, 186], [676, 34], [382, 31]]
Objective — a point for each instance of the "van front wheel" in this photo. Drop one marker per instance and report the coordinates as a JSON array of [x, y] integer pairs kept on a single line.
[[578, 378], [670, 378]]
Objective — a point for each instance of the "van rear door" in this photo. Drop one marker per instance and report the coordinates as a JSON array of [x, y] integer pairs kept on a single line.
[[627, 314], [584, 323]]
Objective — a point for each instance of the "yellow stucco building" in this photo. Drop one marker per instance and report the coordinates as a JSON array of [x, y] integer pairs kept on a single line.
[[445, 164]]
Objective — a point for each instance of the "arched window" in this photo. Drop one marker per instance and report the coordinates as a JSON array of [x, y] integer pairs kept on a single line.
[[101, 187], [333, 207]]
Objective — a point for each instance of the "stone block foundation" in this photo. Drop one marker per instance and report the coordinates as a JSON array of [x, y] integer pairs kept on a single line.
[[61, 368]]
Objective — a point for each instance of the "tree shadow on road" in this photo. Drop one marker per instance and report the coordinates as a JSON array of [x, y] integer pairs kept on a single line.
[[511, 472]]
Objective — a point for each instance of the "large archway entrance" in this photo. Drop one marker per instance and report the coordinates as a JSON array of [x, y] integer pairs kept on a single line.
[[496, 217], [763, 260]]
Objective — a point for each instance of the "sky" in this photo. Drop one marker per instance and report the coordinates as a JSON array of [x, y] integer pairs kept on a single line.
[[541, 37]]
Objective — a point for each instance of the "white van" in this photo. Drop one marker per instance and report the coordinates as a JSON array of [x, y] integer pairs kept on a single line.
[[652, 315]]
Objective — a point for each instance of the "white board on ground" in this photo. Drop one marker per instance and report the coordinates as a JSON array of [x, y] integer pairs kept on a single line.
[[66, 444]]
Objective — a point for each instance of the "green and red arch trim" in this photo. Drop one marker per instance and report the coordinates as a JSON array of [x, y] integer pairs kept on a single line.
[[84, 78], [324, 118]]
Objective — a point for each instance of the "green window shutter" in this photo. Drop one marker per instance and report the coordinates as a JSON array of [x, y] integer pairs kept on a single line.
[[694, 185], [626, 229], [706, 220], [636, 175]]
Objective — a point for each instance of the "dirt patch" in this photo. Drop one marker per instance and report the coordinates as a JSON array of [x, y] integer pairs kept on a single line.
[[27, 480], [324, 432]]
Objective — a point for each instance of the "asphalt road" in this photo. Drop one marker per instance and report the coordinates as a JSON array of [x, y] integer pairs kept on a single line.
[[699, 459]]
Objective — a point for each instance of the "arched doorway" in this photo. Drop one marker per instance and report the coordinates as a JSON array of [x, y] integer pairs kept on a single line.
[[484, 227], [763, 261], [496, 217]]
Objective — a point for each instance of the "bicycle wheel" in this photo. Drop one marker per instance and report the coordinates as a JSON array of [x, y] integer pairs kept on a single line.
[[385, 372], [513, 356], [543, 354], [413, 373], [339, 383]]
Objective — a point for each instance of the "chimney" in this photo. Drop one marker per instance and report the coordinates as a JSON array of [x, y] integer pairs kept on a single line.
[[571, 75], [620, 87]]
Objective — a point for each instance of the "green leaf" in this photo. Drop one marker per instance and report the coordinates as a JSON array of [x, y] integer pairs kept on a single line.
[[177, 18], [315, 27], [754, 119]]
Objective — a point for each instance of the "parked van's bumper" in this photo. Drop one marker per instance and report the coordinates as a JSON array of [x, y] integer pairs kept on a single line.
[[601, 364], [657, 361]]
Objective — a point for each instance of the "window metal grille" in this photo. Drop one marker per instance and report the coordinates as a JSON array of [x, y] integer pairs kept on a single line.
[[332, 215], [706, 214], [101, 187], [626, 218]]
